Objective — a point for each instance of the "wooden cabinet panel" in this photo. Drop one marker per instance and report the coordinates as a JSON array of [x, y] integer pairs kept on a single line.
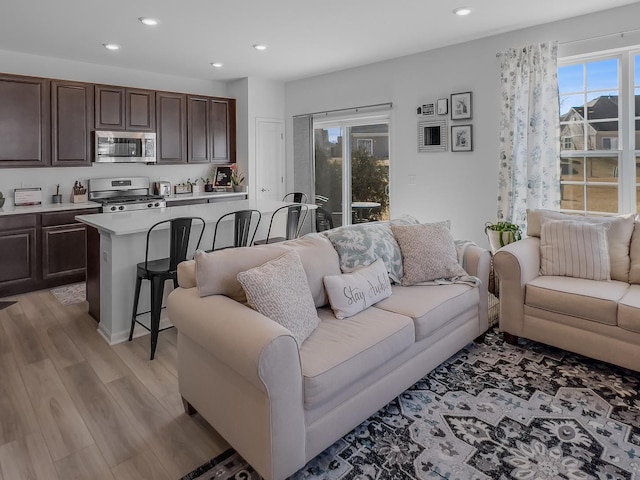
[[109, 108], [18, 260], [93, 272], [171, 123], [140, 110], [24, 121], [63, 251], [71, 123], [220, 131], [198, 130]]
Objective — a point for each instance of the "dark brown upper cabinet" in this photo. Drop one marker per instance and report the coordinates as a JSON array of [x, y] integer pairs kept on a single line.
[[120, 108], [71, 123], [171, 127], [24, 121], [140, 110], [211, 130], [223, 130]]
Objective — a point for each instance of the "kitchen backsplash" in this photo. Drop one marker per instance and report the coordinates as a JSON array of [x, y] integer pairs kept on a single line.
[[48, 178]]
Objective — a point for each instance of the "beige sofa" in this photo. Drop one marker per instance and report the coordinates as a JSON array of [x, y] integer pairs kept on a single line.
[[596, 318], [279, 405]]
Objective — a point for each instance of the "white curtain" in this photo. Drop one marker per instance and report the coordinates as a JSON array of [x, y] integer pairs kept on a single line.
[[529, 175]]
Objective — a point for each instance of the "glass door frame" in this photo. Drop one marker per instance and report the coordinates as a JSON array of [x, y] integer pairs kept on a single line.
[[345, 123]]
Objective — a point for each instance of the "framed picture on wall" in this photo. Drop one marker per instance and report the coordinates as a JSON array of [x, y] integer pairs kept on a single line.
[[432, 136], [461, 106], [443, 106], [461, 138]]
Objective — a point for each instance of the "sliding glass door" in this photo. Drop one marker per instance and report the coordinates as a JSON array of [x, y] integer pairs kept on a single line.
[[352, 170]]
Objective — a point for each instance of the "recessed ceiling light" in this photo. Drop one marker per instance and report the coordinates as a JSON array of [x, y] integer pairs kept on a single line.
[[111, 46], [148, 21], [217, 64], [462, 11], [260, 46]]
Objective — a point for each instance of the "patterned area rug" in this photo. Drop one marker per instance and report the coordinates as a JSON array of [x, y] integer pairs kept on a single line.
[[70, 294], [493, 411]]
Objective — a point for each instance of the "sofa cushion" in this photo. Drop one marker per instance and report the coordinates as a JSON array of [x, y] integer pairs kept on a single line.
[[428, 253], [574, 249], [362, 244], [216, 272], [431, 306], [634, 254], [629, 310], [589, 299], [339, 351], [618, 235], [319, 259], [278, 289], [351, 293]]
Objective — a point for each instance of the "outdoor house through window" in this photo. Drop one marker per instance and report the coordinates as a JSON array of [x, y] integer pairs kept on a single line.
[[351, 158], [599, 128]]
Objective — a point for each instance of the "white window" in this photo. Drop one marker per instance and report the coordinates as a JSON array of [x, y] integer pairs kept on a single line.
[[598, 118]]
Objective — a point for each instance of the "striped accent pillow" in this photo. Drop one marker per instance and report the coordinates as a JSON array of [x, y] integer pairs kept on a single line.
[[575, 249]]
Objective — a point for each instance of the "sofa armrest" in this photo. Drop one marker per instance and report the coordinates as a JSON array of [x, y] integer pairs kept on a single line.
[[477, 262], [235, 334], [516, 264], [239, 349]]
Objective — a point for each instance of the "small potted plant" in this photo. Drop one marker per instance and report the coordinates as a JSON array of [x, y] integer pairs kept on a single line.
[[501, 234], [208, 186], [236, 179], [195, 188]]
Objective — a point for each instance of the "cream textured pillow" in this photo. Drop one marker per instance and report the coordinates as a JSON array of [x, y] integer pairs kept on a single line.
[[279, 290], [351, 293], [428, 252], [575, 249]]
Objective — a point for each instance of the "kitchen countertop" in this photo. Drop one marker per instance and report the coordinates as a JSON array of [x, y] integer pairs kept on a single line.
[[194, 196], [45, 208], [138, 221]]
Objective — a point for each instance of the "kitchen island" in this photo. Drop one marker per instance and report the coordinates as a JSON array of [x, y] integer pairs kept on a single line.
[[118, 244]]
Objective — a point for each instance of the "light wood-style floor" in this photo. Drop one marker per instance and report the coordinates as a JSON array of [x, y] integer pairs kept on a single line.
[[72, 407]]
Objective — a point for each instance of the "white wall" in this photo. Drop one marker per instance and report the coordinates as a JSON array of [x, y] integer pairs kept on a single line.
[[457, 186], [255, 98], [47, 178]]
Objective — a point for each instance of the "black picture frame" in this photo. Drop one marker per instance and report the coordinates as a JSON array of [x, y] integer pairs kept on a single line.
[[461, 106], [461, 138], [443, 106], [222, 177]]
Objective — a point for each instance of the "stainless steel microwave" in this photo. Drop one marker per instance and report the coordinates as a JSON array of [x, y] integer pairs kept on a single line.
[[125, 147]]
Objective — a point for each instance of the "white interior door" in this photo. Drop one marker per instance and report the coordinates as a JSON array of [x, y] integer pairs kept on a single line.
[[269, 159]]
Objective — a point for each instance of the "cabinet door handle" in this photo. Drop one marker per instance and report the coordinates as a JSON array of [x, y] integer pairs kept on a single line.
[[264, 189]]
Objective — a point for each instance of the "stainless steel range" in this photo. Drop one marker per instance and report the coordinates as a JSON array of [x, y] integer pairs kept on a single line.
[[124, 194]]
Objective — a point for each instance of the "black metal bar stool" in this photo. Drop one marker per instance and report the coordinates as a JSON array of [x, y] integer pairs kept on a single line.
[[241, 227], [160, 270], [295, 218], [296, 197]]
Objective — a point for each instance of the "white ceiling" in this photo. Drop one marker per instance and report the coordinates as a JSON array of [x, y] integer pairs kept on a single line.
[[305, 37]]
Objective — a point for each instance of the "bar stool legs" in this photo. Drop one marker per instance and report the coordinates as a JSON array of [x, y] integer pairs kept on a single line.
[[136, 297]]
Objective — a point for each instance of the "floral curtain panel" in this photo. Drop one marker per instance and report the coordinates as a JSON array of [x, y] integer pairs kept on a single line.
[[529, 175]]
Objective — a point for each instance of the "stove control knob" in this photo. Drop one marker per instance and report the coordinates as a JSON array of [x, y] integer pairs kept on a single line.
[[113, 209], [150, 205], [157, 204], [121, 207]]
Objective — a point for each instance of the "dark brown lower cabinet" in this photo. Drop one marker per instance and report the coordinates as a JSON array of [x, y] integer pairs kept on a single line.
[[18, 258], [64, 252], [42, 250]]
